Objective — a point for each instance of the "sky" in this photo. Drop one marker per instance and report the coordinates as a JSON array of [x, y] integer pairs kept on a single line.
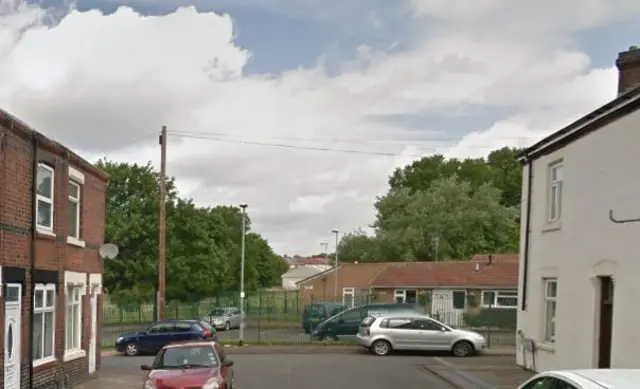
[[302, 109]]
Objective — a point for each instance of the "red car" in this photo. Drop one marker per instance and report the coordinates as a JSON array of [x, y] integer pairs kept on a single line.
[[190, 365]]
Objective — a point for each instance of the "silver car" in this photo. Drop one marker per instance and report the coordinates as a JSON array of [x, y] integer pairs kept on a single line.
[[384, 334], [224, 318]]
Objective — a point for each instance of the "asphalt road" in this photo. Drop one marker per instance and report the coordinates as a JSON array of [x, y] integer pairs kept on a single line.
[[309, 371]]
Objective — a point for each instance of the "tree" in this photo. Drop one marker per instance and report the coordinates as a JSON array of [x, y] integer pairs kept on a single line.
[[357, 246], [203, 244], [461, 220]]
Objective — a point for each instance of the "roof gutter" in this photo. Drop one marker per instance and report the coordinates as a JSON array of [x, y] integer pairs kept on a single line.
[[590, 119], [34, 237]]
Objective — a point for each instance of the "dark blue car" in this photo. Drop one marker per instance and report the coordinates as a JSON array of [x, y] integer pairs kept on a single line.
[[157, 335]]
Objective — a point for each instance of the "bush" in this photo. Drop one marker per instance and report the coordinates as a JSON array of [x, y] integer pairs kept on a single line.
[[494, 318]]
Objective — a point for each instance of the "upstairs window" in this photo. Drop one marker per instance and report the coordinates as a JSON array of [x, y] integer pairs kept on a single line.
[[555, 191], [44, 197], [73, 210]]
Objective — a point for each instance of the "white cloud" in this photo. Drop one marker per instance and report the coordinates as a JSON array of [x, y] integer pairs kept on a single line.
[[97, 82]]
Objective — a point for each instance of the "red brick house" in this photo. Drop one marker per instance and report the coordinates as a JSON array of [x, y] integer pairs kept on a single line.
[[53, 269]]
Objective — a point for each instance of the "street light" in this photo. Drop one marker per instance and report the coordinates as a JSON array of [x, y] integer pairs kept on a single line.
[[335, 282], [244, 221]]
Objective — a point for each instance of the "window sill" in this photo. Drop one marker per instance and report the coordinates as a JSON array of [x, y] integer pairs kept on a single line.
[[76, 242], [546, 346], [43, 361], [45, 231], [70, 355], [552, 226]]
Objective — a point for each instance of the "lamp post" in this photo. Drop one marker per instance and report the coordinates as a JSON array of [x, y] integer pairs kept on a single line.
[[244, 221], [335, 281]]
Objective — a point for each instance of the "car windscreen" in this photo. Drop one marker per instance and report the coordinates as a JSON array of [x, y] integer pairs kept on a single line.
[[218, 312], [367, 321], [186, 357]]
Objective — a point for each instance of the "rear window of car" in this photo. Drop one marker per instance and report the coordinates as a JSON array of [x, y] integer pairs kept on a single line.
[[367, 321], [205, 325]]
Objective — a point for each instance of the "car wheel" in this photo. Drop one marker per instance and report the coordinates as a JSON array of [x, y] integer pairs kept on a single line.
[[463, 349], [330, 338], [227, 326], [131, 349], [381, 347]]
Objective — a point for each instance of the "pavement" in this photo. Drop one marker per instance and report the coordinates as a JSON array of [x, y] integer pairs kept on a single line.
[[310, 367], [488, 372]]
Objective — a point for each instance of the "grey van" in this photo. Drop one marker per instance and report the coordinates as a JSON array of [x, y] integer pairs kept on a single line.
[[345, 325]]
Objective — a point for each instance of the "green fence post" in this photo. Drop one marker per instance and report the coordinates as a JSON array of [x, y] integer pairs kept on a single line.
[[259, 317], [139, 311]]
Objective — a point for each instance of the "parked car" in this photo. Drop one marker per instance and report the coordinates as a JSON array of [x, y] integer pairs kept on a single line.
[[319, 311], [384, 334], [585, 379], [345, 324], [156, 336], [190, 365], [224, 318]]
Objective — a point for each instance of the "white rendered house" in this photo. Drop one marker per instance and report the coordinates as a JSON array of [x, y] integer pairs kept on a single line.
[[579, 275]]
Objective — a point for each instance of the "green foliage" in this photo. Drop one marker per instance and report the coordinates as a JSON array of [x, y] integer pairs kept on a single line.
[[203, 243], [491, 318], [444, 208]]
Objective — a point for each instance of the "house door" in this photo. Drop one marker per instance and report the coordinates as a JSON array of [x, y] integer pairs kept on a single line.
[[348, 298], [606, 322], [12, 331], [93, 303]]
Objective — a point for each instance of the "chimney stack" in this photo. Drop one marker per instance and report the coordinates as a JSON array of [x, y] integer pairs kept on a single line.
[[628, 64]]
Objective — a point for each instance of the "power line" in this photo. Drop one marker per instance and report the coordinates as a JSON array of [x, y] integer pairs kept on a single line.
[[210, 136], [296, 146], [408, 141]]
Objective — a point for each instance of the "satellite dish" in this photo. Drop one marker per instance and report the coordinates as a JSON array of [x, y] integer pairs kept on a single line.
[[108, 251]]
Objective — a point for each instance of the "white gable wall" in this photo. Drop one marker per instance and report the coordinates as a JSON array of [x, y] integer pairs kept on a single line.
[[601, 172]]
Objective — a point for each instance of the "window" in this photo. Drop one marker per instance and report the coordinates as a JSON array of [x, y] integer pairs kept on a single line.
[[73, 210], [541, 383], [355, 315], [400, 324], [348, 299], [43, 322], [44, 197], [429, 325], [555, 192], [459, 297], [73, 328], [161, 328], [500, 299], [550, 294], [182, 326]]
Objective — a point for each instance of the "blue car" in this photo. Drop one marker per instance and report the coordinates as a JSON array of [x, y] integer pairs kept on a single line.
[[158, 335]]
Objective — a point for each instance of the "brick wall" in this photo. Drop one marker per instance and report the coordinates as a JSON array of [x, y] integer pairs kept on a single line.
[[52, 252]]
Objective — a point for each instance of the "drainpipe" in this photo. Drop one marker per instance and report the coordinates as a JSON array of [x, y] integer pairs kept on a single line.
[[527, 233], [34, 236]]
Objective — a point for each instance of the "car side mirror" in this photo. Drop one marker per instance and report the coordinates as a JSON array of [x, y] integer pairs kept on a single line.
[[228, 363], [443, 329], [145, 367]]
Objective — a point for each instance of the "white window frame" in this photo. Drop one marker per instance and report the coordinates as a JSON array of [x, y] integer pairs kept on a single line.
[[73, 300], [352, 293], [46, 308], [400, 293], [43, 199], [555, 191], [550, 309], [496, 296], [76, 202]]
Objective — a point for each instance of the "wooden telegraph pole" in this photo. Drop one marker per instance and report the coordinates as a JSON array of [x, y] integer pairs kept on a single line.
[[162, 289]]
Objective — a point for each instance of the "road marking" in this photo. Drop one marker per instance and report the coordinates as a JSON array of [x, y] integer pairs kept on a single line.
[[444, 362]]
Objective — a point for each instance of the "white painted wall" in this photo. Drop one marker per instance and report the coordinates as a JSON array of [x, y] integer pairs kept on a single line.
[[601, 171]]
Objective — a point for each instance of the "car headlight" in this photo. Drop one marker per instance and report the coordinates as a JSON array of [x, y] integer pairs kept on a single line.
[[211, 384], [149, 385], [120, 339]]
